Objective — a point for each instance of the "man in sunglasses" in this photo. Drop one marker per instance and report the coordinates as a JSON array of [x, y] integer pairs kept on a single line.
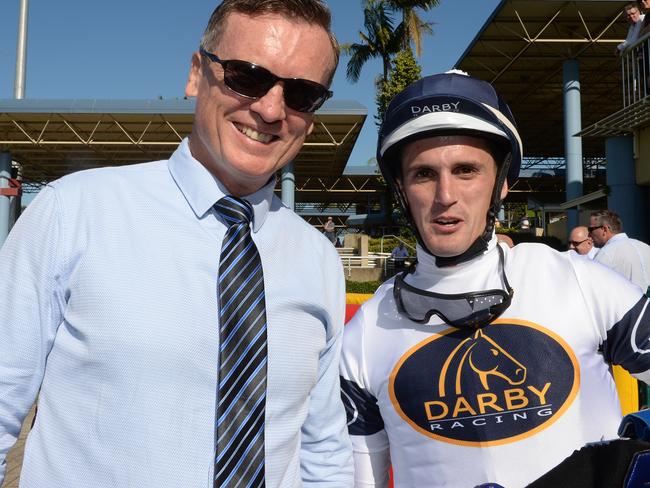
[[182, 325], [580, 242], [481, 365], [628, 256]]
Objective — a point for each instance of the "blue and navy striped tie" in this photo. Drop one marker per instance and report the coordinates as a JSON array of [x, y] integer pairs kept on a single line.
[[242, 353]]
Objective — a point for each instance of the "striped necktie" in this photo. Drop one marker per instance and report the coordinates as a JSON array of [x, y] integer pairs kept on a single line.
[[242, 352]]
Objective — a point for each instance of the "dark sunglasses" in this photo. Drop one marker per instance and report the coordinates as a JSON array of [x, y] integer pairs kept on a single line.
[[577, 243], [252, 81], [591, 229], [471, 310]]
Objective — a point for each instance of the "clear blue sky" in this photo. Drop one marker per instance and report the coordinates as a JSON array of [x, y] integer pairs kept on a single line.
[[140, 49]]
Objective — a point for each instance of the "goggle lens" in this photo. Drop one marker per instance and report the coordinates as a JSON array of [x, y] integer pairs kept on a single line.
[[470, 310], [466, 310]]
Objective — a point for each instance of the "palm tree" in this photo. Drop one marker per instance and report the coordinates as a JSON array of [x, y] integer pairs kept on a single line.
[[412, 26], [380, 40]]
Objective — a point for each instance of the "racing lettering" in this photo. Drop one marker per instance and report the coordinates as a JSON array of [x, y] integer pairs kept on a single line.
[[430, 415], [483, 403], [427, 109], [515, 398], [540, 394], [462, 406]]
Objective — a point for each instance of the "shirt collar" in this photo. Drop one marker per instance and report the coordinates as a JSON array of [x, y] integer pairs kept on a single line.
[[616, 237], [479, 273], [202, 190], [428, 262]]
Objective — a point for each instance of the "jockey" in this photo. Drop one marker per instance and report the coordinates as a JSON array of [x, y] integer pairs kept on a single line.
[[481, 364]]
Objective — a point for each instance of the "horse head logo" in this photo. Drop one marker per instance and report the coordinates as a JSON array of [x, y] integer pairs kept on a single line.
[[485, 358]]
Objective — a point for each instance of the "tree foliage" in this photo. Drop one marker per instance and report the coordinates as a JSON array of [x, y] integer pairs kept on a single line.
[[404, 71], [382, 38], [412, 26]]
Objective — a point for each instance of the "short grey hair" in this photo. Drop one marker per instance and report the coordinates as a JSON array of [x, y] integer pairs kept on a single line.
[[313, 12]]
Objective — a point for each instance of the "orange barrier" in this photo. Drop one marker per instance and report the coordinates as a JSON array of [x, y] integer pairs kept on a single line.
[[352, 303], [628, 390]]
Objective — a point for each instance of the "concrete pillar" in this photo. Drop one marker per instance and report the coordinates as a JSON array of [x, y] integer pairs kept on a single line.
[[289, 186], [5, 201], [363, 249], [626, 198], [572, 144]]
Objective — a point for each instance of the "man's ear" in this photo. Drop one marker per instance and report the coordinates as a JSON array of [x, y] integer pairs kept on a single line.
[[194, 77]]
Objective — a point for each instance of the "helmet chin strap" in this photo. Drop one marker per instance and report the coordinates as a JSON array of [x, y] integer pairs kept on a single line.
[[480, 245]]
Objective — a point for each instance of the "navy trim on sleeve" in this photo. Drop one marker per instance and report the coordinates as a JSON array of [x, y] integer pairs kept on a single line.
[[628, 341], [361, 409]]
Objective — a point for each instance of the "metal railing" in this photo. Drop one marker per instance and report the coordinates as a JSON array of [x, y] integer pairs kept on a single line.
[[635, 69], [356, 262], [379, 259], [373, 260], [381, 243]]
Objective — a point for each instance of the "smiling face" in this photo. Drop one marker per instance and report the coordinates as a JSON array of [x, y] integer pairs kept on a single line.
[[244, 141], [447, 182]]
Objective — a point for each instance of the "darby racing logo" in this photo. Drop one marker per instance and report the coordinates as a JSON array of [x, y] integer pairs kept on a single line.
[[490, 386], [417, 110]]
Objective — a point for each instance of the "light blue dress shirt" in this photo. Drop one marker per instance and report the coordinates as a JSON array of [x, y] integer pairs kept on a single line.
[[629, 257], [108, 306]]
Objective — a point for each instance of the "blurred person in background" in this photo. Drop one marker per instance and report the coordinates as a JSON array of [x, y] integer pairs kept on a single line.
[[628, 256], [580, 242]]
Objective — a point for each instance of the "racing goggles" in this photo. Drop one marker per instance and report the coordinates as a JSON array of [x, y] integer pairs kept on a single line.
[[252, 81], [471, 310]]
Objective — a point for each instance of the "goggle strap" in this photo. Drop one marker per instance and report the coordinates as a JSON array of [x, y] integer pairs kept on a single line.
[[477, 321]]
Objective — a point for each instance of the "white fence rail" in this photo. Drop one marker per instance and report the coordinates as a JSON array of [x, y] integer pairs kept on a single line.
[[371, 261]]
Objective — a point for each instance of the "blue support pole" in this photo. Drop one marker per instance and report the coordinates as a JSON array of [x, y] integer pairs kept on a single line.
[[626, 198], [572, 144], [5, 201], [289, 185]]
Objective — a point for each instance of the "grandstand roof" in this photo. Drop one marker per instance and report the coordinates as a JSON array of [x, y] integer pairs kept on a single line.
[[521, 49], [51, 138]]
